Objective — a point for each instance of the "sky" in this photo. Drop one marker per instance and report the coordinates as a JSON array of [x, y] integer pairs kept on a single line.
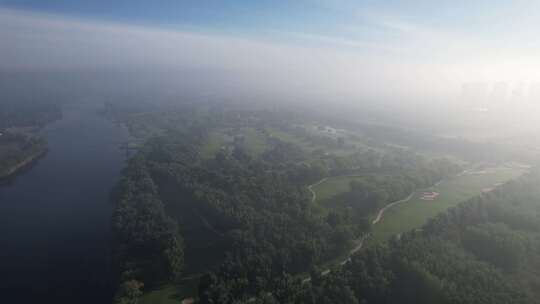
[[396, 49]]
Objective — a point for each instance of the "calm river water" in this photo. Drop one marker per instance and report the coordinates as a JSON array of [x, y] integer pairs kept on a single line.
[[55, 217]]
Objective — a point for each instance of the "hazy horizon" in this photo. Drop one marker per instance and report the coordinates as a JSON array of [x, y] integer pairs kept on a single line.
[[460, 59], [306, 151]]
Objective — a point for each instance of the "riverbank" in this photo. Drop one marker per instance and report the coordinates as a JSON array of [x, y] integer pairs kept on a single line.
[[55, 210], [20, 147], [11, 172]]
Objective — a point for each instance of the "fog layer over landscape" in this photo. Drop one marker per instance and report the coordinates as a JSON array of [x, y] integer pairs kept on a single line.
[[295, 151], [418, 70]]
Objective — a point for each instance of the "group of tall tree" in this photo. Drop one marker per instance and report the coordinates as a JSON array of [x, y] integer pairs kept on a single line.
[[147, 245], [35, 113], [487, 250], [255, 217], [249, 202]]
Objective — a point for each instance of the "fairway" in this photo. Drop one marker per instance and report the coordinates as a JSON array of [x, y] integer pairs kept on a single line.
[[254, 141], [212, 145], [334, 186], [170, 293], [291, 138], [165, 295], [283, 136], [414, 213]]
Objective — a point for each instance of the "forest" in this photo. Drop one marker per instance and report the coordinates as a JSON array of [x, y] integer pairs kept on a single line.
[[241, 219], [30, 115], [486, 250], [269, 152]]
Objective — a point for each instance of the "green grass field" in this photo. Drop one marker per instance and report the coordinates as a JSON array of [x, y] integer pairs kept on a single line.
[[254, 141], [414, 213], [283, 136], [334, 186], [309, 145], [401, 218], [291, 138], [170, 294], [214, 142], [165, 295]]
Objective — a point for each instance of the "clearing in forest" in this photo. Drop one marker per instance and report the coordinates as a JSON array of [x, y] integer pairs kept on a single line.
[[415, 213]]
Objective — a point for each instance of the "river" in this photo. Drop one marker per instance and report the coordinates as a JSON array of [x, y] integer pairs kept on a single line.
[[55, 216]]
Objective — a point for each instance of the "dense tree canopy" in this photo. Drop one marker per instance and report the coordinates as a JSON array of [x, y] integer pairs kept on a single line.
[[479, 252], [226, 193]]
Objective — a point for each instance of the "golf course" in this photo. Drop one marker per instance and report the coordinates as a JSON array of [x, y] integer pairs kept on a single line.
[[412, 212]]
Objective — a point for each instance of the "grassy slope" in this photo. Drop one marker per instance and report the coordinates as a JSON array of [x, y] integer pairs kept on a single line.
[[414, 213], [292, 139], [165, 295], [399, 219], [214, 142], [255, 141], [283, 136], [169, 294], [309, 146], [334, 186]]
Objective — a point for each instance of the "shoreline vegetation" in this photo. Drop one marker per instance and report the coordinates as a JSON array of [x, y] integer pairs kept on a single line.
[[222, 206], [20, 142], [18, 150], [9, 174]]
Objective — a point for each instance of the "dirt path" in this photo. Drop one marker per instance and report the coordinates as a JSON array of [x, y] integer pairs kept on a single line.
[[379, 217], [383, 210], [356, 248], [361, 241], [310, 188], [408, 198]]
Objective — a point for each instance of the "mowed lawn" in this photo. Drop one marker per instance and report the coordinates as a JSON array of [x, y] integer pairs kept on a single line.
[[213, 143], [254, 141], [165, 295], [169, 293], [333, 186], [291, 138], [415, 213]]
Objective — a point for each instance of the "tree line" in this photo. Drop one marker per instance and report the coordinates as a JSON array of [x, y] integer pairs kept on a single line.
[[487, 250]]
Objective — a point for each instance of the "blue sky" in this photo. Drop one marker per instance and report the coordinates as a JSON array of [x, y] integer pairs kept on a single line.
[[329, 17], [339, 23], [395, 46], [354, 20]]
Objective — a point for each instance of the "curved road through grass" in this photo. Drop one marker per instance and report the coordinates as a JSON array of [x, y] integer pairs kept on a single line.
[[377, 219]]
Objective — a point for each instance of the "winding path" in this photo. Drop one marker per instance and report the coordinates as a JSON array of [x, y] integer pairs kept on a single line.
[[361, 240], [313, 193], [383, 210], [379, 217]]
